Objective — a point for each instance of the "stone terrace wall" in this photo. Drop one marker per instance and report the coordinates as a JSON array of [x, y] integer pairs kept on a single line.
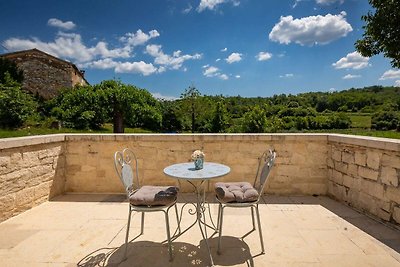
[[300, 168], [365, 173], [31, 172]]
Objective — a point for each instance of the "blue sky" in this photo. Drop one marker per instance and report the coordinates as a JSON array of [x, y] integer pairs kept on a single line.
[[228, 47]]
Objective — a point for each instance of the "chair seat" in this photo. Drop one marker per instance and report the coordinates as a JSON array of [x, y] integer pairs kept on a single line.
[[236, 192], [153, 196]]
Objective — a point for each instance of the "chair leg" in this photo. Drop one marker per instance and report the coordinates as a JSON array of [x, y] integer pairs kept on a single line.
[[218, 217], [260, 231], [127, 233], [252, 218], [142, 224], [220, 229], [168, 235], [177, 219]]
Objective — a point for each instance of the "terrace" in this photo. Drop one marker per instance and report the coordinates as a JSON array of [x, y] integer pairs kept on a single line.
[[332, 200]]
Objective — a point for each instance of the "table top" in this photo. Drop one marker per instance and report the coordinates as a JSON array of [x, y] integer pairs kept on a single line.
[[186, 171]]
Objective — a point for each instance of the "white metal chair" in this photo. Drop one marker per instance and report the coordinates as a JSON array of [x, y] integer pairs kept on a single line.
[[245, 195], [144, 198]]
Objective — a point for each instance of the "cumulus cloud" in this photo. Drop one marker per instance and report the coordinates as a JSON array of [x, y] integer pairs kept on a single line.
[[350, 76], [397, 83], [390, 74], [237, 76], [352, 61], [310, 30], [139, 37], [224, 49], [213, 4], [173, 62], [263, 56], [68, 25], [139, 67], [234, 57], [329, 2], [211, 71]]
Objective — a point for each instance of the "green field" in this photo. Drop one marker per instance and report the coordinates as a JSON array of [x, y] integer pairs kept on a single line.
[[362, 121]]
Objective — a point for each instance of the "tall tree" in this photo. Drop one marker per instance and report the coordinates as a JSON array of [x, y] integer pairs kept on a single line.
[[189, 99], [12, 69], [382, 31], [219, 122]]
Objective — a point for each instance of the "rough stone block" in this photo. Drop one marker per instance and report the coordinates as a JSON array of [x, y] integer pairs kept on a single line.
[[368, 173], [373, 160], [393, 194], [336, 155], [391, 160], [372, 188], [360, 158], [337, 177], [348, 157], [389, 176], [352, 170], [396, 214]]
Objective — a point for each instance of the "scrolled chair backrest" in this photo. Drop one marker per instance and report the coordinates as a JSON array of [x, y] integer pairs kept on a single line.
[[265, 164], [126, 166]]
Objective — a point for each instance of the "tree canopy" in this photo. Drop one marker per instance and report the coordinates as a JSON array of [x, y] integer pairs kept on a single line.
[[382, 31]]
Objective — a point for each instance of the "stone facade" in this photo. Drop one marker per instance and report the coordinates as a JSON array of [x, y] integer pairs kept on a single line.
[[44, 74], [366, 175], [363, 172]]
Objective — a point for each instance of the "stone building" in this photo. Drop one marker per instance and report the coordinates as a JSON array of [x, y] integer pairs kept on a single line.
[[45, 74]]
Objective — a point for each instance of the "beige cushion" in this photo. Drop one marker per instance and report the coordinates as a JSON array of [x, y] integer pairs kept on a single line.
[[236, 192], [153, 195]]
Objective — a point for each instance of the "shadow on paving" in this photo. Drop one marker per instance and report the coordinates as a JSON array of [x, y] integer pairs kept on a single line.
[[146, 253]]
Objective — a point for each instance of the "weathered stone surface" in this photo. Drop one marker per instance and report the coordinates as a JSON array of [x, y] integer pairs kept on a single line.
[[389, 176], [372, 188], [391, 160], [368, 173], [393, 194], [396, 214], [360, 158], [348, 157], [336, 155], [373, 160]]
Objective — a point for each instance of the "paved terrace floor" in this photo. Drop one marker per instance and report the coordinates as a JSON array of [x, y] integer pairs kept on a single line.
[[88, 230]]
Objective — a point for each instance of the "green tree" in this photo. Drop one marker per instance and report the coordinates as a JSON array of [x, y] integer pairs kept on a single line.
[[190, 104], [16, 105], [219, 121], [382, 32], [255, 120], [7, 66]]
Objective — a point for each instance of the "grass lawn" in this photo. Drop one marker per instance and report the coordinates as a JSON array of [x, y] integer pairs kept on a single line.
[[360, 121]]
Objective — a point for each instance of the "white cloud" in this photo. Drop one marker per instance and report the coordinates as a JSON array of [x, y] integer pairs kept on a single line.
[[213, 4], [350, 76], [310, 30], [390, 74], [262, 56], [352, 61], [139, 67], [174, 62], [224, 49], [138, 38], [287, 75], [68, 25], [397, 83], [234, 57], [237, 76], [328, 2], [164, 97], [188, 9], [211, 71], [218, 59]]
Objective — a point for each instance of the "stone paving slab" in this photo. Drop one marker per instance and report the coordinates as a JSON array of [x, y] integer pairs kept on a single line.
[[89, 230]]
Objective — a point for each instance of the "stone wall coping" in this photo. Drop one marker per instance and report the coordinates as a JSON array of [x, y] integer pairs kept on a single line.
[[366, 141], [190, 137], [15, 142]]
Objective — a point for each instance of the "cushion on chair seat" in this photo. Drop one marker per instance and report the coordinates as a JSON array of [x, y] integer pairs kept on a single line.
[[153, 195], [236, 192]]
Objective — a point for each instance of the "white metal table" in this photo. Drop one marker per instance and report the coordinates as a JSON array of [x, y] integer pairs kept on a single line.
[[197, 178]]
